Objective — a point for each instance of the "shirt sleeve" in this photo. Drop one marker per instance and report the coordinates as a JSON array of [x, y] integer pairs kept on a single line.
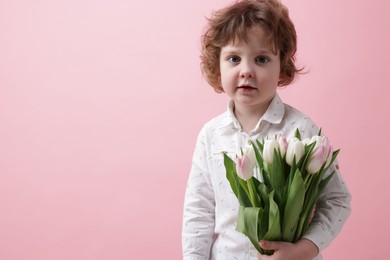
[[332, 210], [199, 207]]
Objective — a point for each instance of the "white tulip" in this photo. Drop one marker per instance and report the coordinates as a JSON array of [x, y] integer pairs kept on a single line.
[[296, 149], [268, 151]]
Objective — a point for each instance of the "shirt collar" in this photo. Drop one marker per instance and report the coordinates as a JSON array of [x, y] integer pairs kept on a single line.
[[275, 111], [228, 117], [273, 115]]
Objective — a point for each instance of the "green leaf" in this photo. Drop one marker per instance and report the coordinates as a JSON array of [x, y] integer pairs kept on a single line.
[[239, 186], [241, 220], [294, 204], [260, 162], [241, 183], [260, 145], [277, 175], [297, 134], [293, 169], [263, 191], [253, 195], [247, 223], [266, 178], [274, 229], [325, 182], [230, 167], [308, 149], [256, 182], [243, 195], [259, 158], [311, 197], [334, 155]]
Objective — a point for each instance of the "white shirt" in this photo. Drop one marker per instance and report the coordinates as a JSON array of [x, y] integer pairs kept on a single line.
[[211, 208]]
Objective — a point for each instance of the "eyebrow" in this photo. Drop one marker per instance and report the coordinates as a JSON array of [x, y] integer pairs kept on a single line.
[[230, 50]]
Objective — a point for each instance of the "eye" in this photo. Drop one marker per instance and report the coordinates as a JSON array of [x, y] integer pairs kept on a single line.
[[262, 59], [234, 59]]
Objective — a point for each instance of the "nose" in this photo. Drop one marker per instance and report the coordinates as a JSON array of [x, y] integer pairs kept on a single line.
[[246, 70]]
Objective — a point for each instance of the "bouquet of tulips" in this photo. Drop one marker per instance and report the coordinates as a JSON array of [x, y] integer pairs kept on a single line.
[[277, 205]]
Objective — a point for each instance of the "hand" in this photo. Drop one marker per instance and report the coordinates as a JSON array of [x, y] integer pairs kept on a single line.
[[304, 249]]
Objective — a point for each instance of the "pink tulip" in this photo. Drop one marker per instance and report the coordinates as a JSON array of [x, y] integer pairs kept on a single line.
[[244, 167], [321, 155], [318, 140], [246, 162], [282, 141], [330, 155]]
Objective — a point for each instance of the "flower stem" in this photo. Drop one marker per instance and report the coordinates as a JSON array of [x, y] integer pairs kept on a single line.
[[307, 180], [252, 196]]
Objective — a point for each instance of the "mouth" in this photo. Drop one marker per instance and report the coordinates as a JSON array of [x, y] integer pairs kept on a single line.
[[246, 87]]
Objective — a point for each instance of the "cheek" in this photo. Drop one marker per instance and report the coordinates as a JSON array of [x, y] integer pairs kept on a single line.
[[223, 83], [276, 74], [269, 75], [225, 76]]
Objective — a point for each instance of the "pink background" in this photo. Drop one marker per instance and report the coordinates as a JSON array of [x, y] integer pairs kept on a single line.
[[101, 102]]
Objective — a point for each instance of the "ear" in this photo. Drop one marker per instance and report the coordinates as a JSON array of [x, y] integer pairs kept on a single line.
[[281, 78], [220, 87]]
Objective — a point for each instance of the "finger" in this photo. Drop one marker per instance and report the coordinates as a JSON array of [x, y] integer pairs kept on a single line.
[[263, 257], [269, 245]]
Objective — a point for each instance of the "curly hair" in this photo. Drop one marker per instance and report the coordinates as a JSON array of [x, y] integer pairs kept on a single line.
[[232, 23]]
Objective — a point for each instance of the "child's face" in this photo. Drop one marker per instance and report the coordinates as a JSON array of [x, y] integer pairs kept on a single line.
[[250, 71]]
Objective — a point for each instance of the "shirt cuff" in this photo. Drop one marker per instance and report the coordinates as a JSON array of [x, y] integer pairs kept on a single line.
[[317, 234]]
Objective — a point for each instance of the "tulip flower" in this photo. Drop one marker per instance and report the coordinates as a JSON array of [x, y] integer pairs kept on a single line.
[[306, 141], [318, 140], [321, 155], [329, 151], [246, 162], [268, 151], [296, 149], [282, 141]]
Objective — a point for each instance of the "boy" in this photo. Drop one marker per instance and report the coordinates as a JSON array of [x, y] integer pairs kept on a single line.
[[248, 51]]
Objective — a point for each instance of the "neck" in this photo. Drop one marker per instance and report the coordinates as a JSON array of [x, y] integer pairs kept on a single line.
[[249, 116]]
